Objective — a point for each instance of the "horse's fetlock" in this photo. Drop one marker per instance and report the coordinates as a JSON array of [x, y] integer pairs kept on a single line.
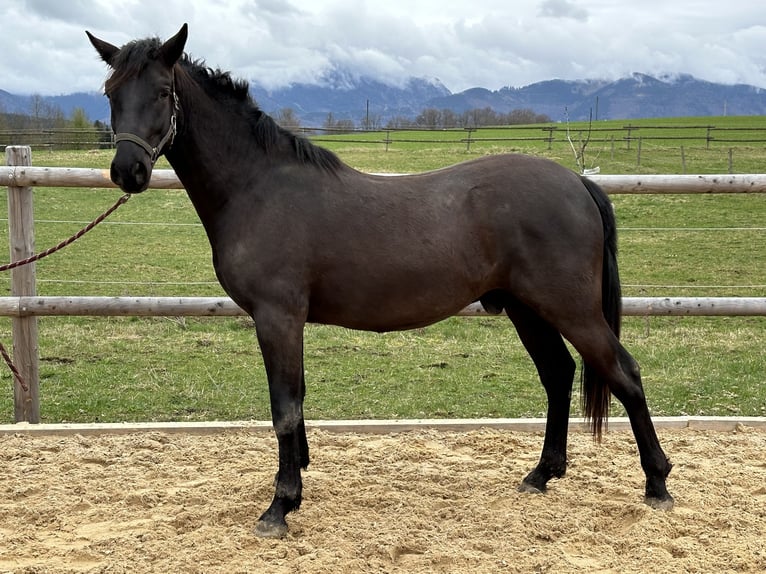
[[288, 492]]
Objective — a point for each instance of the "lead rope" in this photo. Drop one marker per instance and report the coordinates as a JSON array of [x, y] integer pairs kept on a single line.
[[43, 254]]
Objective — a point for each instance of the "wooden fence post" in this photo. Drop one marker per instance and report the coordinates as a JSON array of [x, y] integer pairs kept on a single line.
[[21, 237], [468, 139]]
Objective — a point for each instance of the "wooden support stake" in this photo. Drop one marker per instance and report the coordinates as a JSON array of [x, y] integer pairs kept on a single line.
[[21, 235]]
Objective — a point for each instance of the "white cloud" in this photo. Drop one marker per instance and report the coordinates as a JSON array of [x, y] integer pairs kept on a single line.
[[563, 9], [489, 43]]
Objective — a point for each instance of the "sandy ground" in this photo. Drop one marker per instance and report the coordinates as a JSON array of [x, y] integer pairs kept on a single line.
[[424, 501]]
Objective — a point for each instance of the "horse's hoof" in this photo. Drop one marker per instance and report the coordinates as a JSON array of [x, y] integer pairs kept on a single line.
[[270, 529], [527, 488], [659, 504]]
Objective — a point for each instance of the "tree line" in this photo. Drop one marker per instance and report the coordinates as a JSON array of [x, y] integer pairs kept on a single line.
[[47, 124], [432, 118], [428, 118]]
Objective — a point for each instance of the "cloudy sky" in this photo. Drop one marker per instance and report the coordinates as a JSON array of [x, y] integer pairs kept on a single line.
[[463, 43]]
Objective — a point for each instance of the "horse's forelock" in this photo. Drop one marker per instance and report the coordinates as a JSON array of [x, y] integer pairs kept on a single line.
[[131, 60]]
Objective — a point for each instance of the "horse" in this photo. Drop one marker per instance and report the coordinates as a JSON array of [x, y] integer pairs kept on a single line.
[[298, 236]]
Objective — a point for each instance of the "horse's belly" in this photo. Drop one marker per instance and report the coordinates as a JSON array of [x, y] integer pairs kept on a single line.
[[387, 305], [370, 320]]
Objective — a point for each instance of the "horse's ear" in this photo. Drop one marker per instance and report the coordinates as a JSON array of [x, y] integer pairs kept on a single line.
[[172, 49], [106, 50]]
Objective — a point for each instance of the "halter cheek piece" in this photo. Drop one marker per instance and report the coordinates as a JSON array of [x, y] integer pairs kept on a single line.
[[167, 140]]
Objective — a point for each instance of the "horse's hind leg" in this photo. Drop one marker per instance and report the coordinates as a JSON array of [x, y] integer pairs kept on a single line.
[[556, 368], [610, 362]]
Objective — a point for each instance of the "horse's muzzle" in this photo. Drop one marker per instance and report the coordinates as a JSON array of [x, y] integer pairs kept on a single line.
[[132, 177]]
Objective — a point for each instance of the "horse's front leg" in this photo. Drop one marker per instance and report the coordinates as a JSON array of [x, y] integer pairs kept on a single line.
[[281, 342]]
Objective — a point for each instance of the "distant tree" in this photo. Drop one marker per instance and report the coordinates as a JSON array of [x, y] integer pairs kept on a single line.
[[104, 133], [432, 118], [84, 133], [345, 125], [288, 119], [17, 122], [36, 109], [468, 119], [333, 125], [526, 116], [429, 118], [45, 115], [371, 122], [56, 119], [479, 117], [399, 123], [449, 119]]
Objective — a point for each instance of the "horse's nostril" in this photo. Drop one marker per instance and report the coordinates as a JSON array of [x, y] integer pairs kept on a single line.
[[114, 174], [139, 173]]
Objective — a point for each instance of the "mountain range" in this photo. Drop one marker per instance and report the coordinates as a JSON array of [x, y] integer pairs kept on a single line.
[[350, 97]]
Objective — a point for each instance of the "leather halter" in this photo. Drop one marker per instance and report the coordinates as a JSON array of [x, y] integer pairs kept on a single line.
[[167, 140]]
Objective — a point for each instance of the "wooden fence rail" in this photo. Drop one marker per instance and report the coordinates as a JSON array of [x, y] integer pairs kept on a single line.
[[24, 306], [32, 176], [63, 306]]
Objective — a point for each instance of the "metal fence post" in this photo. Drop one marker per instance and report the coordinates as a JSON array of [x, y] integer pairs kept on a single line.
[[21, 236]]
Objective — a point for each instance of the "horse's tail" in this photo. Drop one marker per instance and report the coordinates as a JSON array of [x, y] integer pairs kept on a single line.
[[595, 390]]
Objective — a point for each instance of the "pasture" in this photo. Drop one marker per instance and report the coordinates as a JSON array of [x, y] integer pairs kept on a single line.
[[143, 369]]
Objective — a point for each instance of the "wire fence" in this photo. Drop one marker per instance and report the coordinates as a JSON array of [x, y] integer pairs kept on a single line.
[[25, 305], [625, 135]]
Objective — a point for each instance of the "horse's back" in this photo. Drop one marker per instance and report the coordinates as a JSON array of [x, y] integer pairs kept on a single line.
[[418, 248]]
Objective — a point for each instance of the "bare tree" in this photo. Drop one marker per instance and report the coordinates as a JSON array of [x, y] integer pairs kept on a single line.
[[429, 118], [44, 114], [579, 151], [526, 116], [371, 122], [399, 122], [449, 119], [342, 125], [288, 119], [36, 110]]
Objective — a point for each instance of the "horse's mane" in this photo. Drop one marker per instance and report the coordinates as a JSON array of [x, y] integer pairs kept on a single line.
[[232, 93]]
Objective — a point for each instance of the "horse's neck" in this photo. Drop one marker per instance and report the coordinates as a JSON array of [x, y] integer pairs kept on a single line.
[[198, 178], [205, 158]]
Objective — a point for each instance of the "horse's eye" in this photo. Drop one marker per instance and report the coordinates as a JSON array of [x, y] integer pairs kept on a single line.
[[164, 94]]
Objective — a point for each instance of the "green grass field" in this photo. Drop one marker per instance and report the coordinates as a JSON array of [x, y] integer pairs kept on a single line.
[[161, 369]]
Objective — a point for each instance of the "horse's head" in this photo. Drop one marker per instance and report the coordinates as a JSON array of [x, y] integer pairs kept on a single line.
[[143, 101]]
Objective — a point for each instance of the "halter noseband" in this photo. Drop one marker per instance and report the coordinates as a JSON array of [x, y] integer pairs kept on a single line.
[[154, 152]]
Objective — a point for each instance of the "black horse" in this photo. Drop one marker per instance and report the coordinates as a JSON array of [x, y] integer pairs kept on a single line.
[[298, 236]]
